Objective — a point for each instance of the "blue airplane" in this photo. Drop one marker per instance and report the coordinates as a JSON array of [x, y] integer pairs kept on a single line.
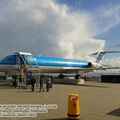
[[28, 62]]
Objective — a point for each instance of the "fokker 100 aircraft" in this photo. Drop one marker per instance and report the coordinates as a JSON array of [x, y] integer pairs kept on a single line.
[[41, 64]]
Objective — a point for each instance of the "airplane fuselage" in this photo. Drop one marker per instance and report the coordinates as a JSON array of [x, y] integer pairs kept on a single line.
[[42, 64]]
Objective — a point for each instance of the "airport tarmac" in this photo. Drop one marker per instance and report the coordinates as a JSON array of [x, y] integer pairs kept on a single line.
[[98, 101]]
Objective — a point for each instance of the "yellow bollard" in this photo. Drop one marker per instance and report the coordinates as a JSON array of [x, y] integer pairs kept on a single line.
[[73, 107]]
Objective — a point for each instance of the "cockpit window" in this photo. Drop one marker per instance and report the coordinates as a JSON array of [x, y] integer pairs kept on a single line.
[[9, 58]]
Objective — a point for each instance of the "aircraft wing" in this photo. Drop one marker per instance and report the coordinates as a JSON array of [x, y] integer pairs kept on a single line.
[[107, 68], [75, 70], [85, 70]]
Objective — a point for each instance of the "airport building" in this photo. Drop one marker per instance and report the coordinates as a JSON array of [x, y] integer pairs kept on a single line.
[[110, 78]]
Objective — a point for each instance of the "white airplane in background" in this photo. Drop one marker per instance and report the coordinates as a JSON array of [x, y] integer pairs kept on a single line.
[[12, 64]]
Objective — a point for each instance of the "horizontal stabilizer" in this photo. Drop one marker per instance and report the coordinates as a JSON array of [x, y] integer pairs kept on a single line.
[[104, 52], [100, 54]]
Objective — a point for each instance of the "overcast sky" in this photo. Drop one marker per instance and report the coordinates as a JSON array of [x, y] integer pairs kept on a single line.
[[59, 28]]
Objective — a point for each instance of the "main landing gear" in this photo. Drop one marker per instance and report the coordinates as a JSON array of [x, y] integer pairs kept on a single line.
[[77, 76]]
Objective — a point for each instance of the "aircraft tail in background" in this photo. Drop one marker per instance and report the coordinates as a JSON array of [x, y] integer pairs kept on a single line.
[[100, 55]]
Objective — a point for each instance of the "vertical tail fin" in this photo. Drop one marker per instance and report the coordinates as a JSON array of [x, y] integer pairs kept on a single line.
[[99, 56]]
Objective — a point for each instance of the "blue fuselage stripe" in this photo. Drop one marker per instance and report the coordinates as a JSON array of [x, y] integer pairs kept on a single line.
[[56, 62], [45, 61]]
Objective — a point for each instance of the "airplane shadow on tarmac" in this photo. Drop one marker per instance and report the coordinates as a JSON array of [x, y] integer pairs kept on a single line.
[[85, 85], [58, 119], [115, 112], [93, 86]]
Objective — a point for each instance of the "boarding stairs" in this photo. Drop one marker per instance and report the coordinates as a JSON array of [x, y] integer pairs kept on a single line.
[[26, 67]]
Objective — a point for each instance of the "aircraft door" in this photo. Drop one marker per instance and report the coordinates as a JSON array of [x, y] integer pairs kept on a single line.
[[19, 61]]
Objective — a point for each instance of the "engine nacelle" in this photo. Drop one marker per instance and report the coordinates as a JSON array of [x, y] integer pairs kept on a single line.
[[96, 65]]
